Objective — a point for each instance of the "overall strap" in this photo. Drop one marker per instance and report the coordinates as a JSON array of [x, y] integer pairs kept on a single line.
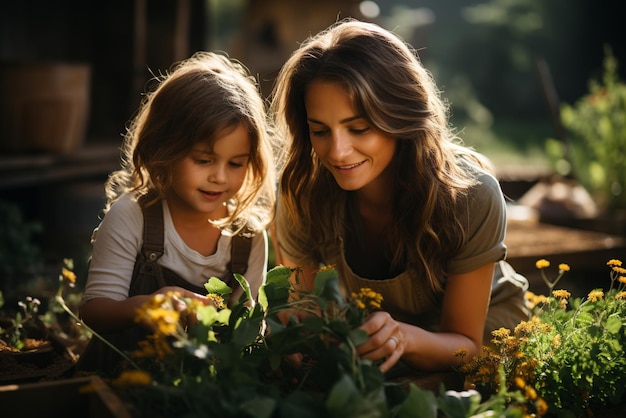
[[147, 274], [239, 254], [153, 231]]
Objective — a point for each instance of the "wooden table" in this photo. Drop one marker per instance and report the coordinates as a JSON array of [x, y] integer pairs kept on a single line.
[[586, 252]]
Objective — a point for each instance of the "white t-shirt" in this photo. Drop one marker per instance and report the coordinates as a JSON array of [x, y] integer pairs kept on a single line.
[[118, 240]]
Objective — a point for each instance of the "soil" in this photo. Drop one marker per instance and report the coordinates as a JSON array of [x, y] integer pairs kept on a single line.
[[42, 360]]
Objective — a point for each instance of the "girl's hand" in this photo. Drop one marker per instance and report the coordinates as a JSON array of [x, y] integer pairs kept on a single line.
[[179, 303], [386, 341]]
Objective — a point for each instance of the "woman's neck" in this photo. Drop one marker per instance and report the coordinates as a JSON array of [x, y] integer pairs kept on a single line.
[[376, 199]]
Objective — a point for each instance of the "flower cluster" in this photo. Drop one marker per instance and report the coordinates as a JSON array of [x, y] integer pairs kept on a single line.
[[567, 357]]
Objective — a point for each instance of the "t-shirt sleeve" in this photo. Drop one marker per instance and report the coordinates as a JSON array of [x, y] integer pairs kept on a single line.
[[485, 227], [116, 242], [290, 242]]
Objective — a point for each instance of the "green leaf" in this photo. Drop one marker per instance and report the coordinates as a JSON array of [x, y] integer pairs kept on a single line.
[[314, 323], [259, 407], [209, 315], [301, 405], [419, 403], [246, 288], [613, 324], [275, 290], [327, 286], [278, 275], [345, 400], [358, 336], [215, 285], [246, 332], [459, 404]]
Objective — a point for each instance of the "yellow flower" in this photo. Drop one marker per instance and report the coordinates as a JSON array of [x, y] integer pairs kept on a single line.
[[159, 311], [68, 275], [519, 382], [533, 300], [530, 393], [326, 267], [461, 352], [594, 295], [563, 267], [561, 294], [620, 270], [543, 263], [614, 263], [132, 378], [541, 406], [154, 347], [621, 295], [366, 298], [217, 300], [501, 333]]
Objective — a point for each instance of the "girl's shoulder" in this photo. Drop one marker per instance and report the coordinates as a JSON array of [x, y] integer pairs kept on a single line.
[[126, 204], [122, 222], [125, 212]]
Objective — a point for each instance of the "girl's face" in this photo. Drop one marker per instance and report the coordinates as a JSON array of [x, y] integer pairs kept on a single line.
[[209, 176], [349, 147]]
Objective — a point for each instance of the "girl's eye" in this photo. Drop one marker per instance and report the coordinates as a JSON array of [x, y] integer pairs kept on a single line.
[[202, 161], [235, 164]]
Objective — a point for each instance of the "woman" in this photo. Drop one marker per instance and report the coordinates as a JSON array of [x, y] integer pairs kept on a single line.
[[377, 185]]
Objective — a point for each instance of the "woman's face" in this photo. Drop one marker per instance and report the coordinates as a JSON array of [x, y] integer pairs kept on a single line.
[[355, 153]]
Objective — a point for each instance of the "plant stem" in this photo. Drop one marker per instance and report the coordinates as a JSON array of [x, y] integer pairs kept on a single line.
[[66, 308]]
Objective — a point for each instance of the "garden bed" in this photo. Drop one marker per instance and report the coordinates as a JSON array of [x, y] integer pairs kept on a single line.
[[68, 398]]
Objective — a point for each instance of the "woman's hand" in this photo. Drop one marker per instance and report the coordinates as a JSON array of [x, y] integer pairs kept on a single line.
[[386, 341]]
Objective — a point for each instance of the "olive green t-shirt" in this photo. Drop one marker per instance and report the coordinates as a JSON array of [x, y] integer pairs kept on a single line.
[[406, 295]]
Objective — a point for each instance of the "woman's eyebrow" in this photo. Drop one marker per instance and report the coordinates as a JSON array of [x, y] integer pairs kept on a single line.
[[346, 120]]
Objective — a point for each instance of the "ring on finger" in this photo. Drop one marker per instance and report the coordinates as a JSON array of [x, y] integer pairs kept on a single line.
[[395, 340]]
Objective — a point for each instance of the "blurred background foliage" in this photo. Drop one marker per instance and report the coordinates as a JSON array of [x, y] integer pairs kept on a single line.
[[490, 58]]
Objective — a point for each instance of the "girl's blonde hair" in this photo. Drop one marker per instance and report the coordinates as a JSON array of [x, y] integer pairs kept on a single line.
[[200, 99], [390, 88]]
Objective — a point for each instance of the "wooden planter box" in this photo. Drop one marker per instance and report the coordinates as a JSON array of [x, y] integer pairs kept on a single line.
[[69, 398]]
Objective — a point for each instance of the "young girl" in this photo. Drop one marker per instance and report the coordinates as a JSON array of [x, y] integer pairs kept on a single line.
[[376, 185], [192, 200]]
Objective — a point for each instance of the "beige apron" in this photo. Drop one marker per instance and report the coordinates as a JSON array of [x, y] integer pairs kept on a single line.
[[409, 299]]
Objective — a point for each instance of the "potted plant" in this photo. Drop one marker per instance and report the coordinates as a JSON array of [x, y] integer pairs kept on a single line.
[[596, 144]]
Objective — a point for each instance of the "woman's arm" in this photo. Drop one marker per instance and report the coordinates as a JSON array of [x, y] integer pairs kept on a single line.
[[465, 305]]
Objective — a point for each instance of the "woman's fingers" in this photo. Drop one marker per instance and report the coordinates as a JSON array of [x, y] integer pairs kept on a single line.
[[385, 341]]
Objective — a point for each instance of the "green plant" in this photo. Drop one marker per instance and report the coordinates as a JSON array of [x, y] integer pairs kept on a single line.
[[17, 247], [24, 329], [30, 326], [569, 358], [256, 359], [597, 127]]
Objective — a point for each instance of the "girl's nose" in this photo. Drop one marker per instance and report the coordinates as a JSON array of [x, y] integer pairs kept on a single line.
[[218, 174]]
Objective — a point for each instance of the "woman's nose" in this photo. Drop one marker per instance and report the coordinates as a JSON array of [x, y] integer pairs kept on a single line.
[[340, 146]]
